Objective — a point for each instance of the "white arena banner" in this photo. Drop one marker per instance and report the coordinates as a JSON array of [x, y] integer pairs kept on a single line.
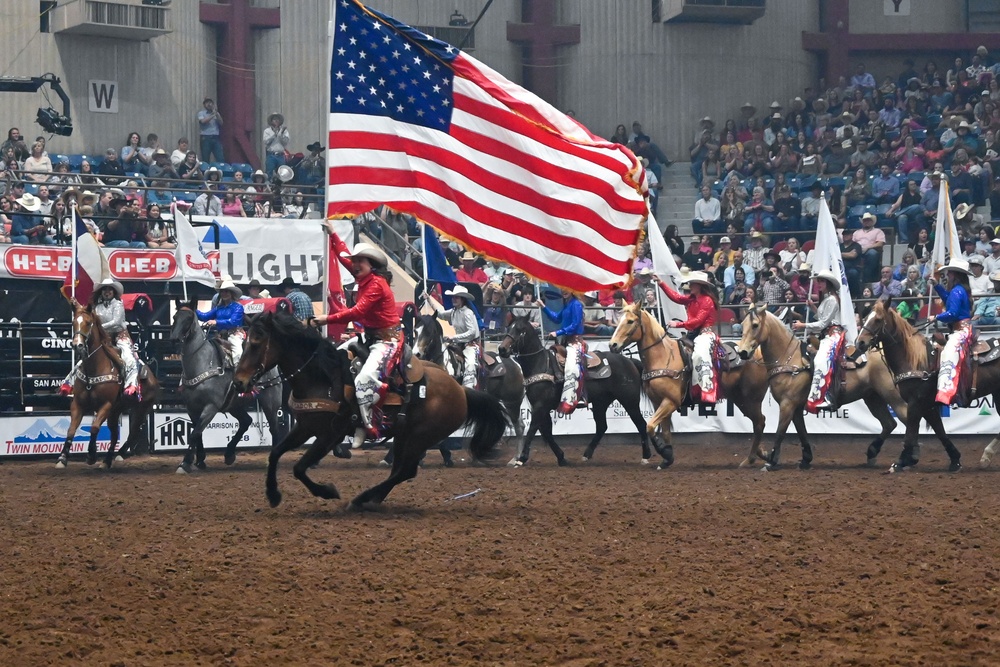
[[266, 249], [35, 436], [172, 432]]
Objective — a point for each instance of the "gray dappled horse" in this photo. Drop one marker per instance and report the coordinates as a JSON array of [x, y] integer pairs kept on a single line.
[[207, 383]]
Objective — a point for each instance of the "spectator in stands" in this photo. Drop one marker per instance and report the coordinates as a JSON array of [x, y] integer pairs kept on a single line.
[[131, 154], [150, 147], [180, 153], [791, 256], [157, 232], [526, 307], [15, 141], [987, 310], [6, 222], [909, 157], [231, 206], [754, 255], [862, 81], [27, 227], [983, 237], [810, 207], [978, 280], [494, 312], [726, 249], [190, 168], [255, 291], [909, 212], [773, 287], [37, 163], [707, 213], [887, 286], [88, 177], [210, 129], [871, 239], [125, 231], [674, 242], [161, 166], [787, 210], [960, 185], [711, 168], [208, 202], [302, 307], [160, 194], [644, 147], [733, 207], [858, 191], [759, 213], [885, 186], [276, 140], [62, 179], [799, 282], [312, 169], [111, 170], [889, 115], [837, 160], [620, 136], [907, 260], [470, 273], [729, 276], [863, 157], [694, 258], [595, 318], [914, 280], [853, 256], [699, 152]]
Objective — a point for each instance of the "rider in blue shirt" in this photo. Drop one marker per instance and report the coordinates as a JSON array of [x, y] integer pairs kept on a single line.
[[958, 314], [570, 320], [227, 316]]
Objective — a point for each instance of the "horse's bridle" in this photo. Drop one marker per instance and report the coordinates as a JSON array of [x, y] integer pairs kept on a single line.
[[517, 341]]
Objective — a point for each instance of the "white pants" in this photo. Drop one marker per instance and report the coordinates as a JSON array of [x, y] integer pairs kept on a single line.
[[571, 381], [235, 338], [129, 364], [368, 385], [470, 369], [952, 360], [703, 365], [827, 355]]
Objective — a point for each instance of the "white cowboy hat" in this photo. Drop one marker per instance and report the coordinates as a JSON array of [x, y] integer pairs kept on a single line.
[[369, 252], [231, 286], [775, 105], [805, 266], [748, 107], [708, 120], [699, 277], [29, 202], [281, 119], [962, 210], [113, 284], [461, 291], [956, 264], [829, 276], [976, 259], [592, 295], [467, 257]]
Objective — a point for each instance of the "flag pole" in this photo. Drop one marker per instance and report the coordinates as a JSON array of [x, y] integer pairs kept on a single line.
[[423, 244], [73, 252], [174, 212]]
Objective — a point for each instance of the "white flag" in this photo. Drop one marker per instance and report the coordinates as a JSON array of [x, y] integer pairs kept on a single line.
[[666, 268], [946, 241], [827, 257], [192, 262]]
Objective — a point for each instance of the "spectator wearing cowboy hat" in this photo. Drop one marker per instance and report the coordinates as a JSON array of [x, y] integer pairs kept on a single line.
[[302, 307], [312, 169], [275, 143], [470, 273], [161, 167], [27, 227], [466, 337], [254, 291]]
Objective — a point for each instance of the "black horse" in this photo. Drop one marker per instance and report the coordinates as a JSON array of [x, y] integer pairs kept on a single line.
[[507, 385], [323, 402], [539, 366]]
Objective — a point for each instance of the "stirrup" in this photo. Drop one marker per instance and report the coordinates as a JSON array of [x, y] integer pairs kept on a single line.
[[566, 408]]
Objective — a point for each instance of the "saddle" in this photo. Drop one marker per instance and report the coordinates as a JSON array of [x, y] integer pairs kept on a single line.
[[401, 375], [596, 366], [492, 366], [730, 362], [223, 351], [986, 351]]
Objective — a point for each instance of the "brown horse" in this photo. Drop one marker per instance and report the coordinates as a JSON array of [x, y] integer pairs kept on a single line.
[[323, 400], [744, 385], [665, 377], [783, 356], [910, 357], [98, 387]]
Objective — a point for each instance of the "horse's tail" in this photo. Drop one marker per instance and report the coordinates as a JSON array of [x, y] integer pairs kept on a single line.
[[489, 419]]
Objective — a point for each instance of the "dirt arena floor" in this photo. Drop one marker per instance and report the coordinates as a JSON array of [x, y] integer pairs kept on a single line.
[[604, 563]]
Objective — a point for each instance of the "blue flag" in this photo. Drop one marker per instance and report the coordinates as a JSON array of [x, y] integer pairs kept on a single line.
[[435, 262]]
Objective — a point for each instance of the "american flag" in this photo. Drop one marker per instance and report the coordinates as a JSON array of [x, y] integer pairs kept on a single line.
[[427, 130]]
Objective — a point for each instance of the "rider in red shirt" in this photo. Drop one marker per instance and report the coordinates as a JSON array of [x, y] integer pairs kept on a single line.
[[375, 309], [702, 311]]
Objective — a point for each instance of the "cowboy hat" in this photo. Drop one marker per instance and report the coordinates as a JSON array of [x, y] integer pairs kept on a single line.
[[776, 116], [113, 284], [707, 120], [820, 105], [772, 253], [231, 286], [963, 125], [591, 295], [953, 122], [755, 234], [369, 252], [869, 216], [955, 264], [314, 147], [805, 266], [281, 119], [775, 105], [699, 277], [69, 192], [159, 151], [975, 259], [725, 239], [258, 173], [288, 283], [846, 117], [461, 291], [995, 277], [254, 283], [798, 104], [962, 210], [29, 202], [467, 257], [828, 276], [747, 107], [87, 198]]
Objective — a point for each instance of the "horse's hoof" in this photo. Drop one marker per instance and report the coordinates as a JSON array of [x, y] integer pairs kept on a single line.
[[448, 463], [518, 463], [384, 463], [512, 463], [985, 461], [644, 462], [119, 458], [274, 498], [61, 463], [200, 465], [805, 465], [326, 492], [584, 458], [341, 452], [897, 467], [955, 466], [182, 469], [229, 459], [770, 467], [747, 462], [563, 462], [91, 458], [872, 461]]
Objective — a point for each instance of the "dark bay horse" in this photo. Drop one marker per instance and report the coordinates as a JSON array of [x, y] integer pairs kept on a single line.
[[322, 386], [98, 389], [911, 358], [208, 390], [509, 387], [790, 373], [539, 366]]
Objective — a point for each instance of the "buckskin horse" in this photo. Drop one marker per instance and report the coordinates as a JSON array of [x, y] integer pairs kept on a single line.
[[98, 389], [790, 376], [503, 377], [913, 362], [617, 378], [207, 383], [431, 405]]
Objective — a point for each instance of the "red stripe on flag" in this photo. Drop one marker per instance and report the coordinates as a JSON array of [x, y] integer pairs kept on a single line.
[[487, 216]]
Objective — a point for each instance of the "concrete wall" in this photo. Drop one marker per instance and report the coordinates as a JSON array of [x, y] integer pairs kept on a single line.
[[869, 16]]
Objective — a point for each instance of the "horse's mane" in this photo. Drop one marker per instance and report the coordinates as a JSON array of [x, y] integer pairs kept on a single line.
[[914, 346], [654, 324], [333, 363]]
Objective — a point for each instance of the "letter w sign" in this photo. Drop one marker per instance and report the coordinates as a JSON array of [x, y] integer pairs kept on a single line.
[[102, 96]]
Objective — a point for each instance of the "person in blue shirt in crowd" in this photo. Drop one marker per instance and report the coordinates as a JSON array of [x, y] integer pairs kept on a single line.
[[957, 313], [26, 225], [227, 318], [570, 319]]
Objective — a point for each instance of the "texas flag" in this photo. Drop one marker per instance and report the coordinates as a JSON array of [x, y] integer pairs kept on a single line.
[[91, 265]]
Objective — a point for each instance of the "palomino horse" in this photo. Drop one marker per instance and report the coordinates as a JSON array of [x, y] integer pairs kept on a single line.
[[323, 400], [783, 357], [744, 385], [539, 366], [98, 389], [207, 382], [505, 381], [909, 356], [666, 376]]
